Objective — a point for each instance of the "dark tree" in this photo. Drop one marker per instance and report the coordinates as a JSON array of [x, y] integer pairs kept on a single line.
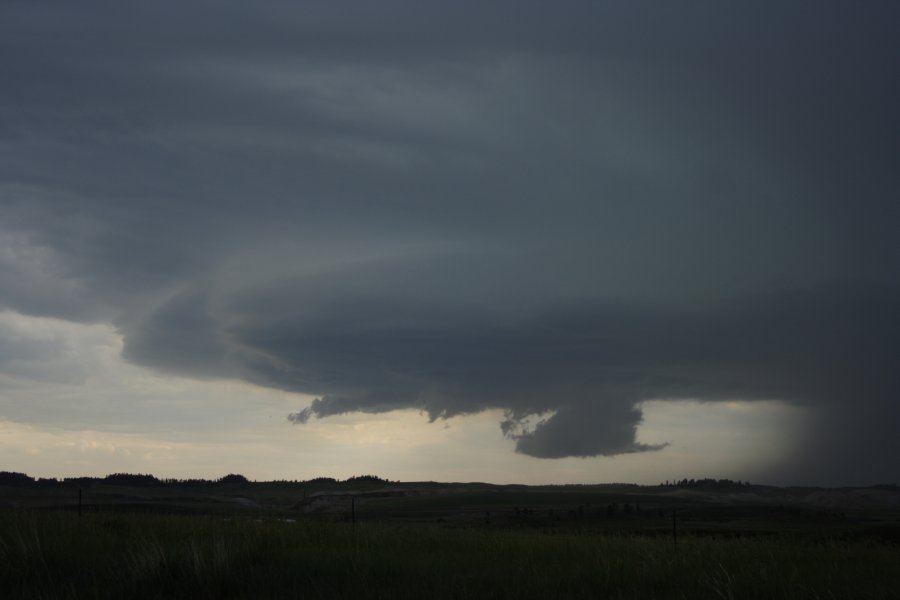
[[13, 478], [232, 478]]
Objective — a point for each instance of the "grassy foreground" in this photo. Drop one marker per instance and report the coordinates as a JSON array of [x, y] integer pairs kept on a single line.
[[59, 555]]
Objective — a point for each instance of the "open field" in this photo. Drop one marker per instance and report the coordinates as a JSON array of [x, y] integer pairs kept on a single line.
[[59, 555], [701, 508], [393, 540]]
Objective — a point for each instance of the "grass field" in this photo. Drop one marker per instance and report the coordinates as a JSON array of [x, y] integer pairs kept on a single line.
[[56, 554]]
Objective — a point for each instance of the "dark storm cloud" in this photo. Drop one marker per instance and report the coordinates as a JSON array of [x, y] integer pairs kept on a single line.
[[553, 211]]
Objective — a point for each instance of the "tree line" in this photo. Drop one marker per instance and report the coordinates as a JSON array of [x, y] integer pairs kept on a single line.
[[146, 480]]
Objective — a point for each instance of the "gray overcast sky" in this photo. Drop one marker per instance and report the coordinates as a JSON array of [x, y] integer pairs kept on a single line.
[[556, 216]]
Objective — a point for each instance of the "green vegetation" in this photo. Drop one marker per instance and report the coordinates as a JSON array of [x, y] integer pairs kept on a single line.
[[59, 555], [139, 537]]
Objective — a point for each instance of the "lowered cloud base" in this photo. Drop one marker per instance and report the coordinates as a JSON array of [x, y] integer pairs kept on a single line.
[[568, 214]]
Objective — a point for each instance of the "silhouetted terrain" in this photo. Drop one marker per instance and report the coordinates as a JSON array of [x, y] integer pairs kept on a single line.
[[704, 506], [137, 536]]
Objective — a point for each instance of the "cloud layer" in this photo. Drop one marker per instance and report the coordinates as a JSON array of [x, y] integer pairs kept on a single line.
[[551, 211]]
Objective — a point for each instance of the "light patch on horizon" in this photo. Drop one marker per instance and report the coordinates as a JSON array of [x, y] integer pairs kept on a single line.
[[113, 416], [467, 448]]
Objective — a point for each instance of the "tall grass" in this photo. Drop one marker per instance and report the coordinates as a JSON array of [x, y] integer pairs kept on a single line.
[[58, 555]]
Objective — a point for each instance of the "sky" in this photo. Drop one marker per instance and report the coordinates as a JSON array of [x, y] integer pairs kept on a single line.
[[515, 242]]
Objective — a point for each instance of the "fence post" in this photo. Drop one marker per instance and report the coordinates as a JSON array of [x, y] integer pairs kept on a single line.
[[79, 502]]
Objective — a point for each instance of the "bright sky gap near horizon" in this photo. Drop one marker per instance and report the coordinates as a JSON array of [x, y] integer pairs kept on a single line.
[[496, 241]]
